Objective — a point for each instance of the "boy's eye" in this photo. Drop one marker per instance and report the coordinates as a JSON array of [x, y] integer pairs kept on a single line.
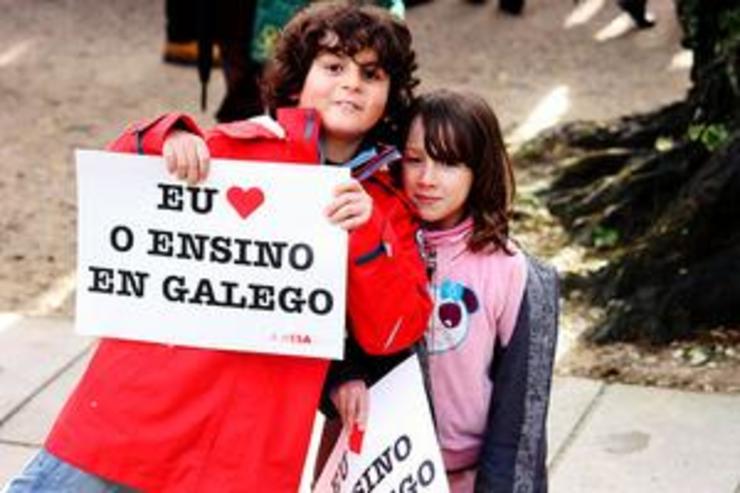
[[333, 68], [373, 73], [411, 160]]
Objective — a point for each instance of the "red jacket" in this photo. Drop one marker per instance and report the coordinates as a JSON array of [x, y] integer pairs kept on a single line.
[[164, 418]]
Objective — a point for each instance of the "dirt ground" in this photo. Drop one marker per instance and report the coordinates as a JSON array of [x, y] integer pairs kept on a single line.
[[74, 72]]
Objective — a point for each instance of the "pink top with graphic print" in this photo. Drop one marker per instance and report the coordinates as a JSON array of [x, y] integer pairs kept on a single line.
[[477, 298]]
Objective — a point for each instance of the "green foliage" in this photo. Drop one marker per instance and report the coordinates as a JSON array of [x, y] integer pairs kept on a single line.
[[664, 144], [729, 27], [711, 136], [729, 45], [604, 237]]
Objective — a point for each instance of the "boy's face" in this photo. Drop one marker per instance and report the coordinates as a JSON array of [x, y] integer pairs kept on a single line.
[[350, 94]]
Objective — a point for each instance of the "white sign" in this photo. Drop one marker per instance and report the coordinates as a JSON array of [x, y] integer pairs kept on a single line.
[[245, 261], [399, 451]]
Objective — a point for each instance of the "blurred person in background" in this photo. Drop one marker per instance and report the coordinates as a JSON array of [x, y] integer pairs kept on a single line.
[[636, 9]]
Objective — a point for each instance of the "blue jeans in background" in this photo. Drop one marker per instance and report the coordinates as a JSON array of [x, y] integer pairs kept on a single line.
[[46, 473]]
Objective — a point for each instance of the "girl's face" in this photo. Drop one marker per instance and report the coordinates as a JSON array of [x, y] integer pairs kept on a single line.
[[349, 93], [439, 190]]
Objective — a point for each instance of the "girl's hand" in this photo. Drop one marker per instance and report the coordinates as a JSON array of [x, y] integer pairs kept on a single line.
[[351, 207], [351, 400], [187, 156]]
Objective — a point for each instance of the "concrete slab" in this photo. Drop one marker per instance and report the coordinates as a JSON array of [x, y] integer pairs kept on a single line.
[[570, 399], [14, 457], [31, 424], [652, 440], [32, 352]]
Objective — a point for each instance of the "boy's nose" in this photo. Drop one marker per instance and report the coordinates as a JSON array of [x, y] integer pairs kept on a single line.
[[352, 78]]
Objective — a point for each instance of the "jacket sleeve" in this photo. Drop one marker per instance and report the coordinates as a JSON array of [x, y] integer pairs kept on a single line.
[[387, 297], [148, 136], [514, 451], [356, 365]]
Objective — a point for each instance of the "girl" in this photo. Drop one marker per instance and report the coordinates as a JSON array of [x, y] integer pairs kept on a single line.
[[160, 418], [491, 339]]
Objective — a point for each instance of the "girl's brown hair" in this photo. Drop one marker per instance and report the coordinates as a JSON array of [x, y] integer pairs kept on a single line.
[[462, 129], [346, 29]]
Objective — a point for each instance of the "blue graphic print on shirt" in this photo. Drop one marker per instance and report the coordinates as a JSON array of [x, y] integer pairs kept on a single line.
[[453, 305]]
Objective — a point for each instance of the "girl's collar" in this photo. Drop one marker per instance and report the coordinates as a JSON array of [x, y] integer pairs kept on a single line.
[[456, 234]]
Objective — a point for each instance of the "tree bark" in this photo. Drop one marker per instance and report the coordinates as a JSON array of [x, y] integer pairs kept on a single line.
[[665, 189]]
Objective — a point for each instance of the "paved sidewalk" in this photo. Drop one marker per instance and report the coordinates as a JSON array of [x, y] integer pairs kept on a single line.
[[603, 438]]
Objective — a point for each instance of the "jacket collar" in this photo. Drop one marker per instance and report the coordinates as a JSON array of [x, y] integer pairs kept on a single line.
[[455, 237]]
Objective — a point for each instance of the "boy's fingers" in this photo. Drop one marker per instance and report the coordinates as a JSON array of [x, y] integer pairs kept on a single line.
[[182, 168], [350, 401], [346, 412], [186, 156], [169, 158], [193, 165], [173, 153], [204, 159], [180, 161], [351, 216], [352, 411], [338, 207], [337, 203], [169, 153], [185, 162], [339, 403], [348, 186], [362, 409], [344, 212]]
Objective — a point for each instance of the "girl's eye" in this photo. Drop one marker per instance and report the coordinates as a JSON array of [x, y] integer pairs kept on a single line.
[[411, 160]]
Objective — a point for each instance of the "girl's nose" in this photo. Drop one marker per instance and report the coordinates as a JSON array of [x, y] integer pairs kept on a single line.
[[428, 174]]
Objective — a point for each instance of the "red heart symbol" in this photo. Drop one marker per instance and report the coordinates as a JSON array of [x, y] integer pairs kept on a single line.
[[245, 201], [355, 439]]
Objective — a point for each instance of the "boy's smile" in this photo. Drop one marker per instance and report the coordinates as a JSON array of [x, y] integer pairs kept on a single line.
[[350, 94]]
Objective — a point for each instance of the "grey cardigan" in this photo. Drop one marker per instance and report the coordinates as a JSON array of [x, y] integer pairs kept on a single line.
[[514, 452]]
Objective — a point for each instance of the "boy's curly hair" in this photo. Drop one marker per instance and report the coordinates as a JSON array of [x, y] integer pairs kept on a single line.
[[347, 29]]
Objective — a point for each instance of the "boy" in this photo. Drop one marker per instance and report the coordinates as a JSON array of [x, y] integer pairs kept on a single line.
[[162, 418]]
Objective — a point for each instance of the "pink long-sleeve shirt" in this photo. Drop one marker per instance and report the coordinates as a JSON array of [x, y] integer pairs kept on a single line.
[[477, 298]]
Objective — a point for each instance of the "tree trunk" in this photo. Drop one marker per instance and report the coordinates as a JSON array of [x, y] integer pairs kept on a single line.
[[661, 193]]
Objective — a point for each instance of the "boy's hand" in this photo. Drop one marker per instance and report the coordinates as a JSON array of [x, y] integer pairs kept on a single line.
[[186, 156], [351, 401], [351, 207]]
